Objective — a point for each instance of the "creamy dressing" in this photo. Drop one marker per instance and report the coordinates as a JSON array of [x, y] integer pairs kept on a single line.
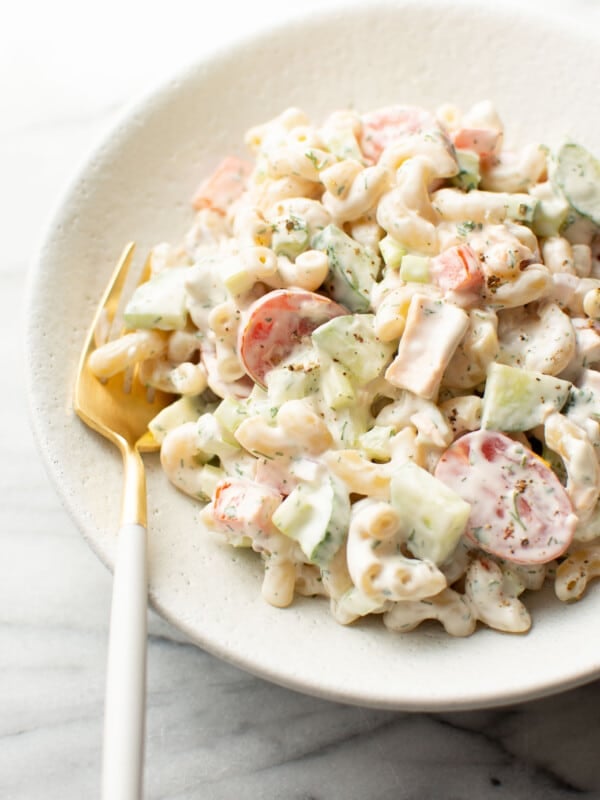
[[473, 276]]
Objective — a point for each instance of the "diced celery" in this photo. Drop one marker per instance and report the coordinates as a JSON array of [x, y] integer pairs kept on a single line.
[[415, 269], [391, 251], [433, 516]]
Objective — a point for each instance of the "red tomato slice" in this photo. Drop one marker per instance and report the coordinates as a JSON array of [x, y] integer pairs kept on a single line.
[[277, 323], [386, 125], [519, 509]]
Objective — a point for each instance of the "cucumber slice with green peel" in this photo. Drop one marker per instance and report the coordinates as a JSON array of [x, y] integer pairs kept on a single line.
[[550, 215], [230, 413], [317, 516], [520, 399], [375, 443], [288, 383], [336, 385], [352, 268], [350, 341], [214, 439], [160, 302], [433, 515], [186, 409], [348, 423], [577, 173], [290, 236]]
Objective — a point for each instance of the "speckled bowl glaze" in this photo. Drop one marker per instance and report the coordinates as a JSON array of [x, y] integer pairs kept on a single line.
[[542, 74]]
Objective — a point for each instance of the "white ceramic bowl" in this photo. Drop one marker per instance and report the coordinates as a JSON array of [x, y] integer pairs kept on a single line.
[[542, 74]]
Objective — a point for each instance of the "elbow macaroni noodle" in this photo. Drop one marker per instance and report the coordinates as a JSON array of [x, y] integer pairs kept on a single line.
[[429, 257]]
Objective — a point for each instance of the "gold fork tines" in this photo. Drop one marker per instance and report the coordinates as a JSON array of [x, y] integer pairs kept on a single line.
[[118, 408]]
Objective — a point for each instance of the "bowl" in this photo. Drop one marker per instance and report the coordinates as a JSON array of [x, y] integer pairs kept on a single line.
[[541, 74]]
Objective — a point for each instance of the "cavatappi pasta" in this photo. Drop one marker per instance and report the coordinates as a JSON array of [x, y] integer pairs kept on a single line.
[[383, 330]]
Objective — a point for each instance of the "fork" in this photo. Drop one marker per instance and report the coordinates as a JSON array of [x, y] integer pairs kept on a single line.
[[121, 414]]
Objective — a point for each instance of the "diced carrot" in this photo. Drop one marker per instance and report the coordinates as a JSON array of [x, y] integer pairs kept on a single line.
[[224, 186], [244, 506], [482, 141], [386, 125], [457, 269]]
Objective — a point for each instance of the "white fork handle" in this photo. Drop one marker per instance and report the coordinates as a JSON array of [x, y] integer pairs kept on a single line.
[[124, 715]]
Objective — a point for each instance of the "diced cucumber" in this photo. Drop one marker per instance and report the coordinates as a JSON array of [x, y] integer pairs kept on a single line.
[[391, 251], [336, 385], [375, 443], [290, 236], [468, 170], [432, 514], [355, 603], [285, 384], [347, 424], [519, 399], [341, 141], [237, 278], [210, 476], [550, 215], [584, 399], [350, 340], [213, 439], [230, 413], [160, 302], [297, 377], [415, 269], [353, 268], [577, 173], [317, 516], [521, 208], [186, 409]]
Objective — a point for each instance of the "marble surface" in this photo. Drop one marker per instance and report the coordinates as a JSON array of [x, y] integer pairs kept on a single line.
[[212, 731]]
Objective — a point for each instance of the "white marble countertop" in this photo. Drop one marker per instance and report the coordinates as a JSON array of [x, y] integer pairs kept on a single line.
[[66, 70]]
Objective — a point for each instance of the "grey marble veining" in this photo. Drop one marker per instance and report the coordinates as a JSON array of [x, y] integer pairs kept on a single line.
[[213, 731]]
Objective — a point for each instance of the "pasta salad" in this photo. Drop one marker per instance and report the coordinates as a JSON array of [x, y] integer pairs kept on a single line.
[[382, 332]]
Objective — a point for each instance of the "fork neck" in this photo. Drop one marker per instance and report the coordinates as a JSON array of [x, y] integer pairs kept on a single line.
[[133, 506]]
